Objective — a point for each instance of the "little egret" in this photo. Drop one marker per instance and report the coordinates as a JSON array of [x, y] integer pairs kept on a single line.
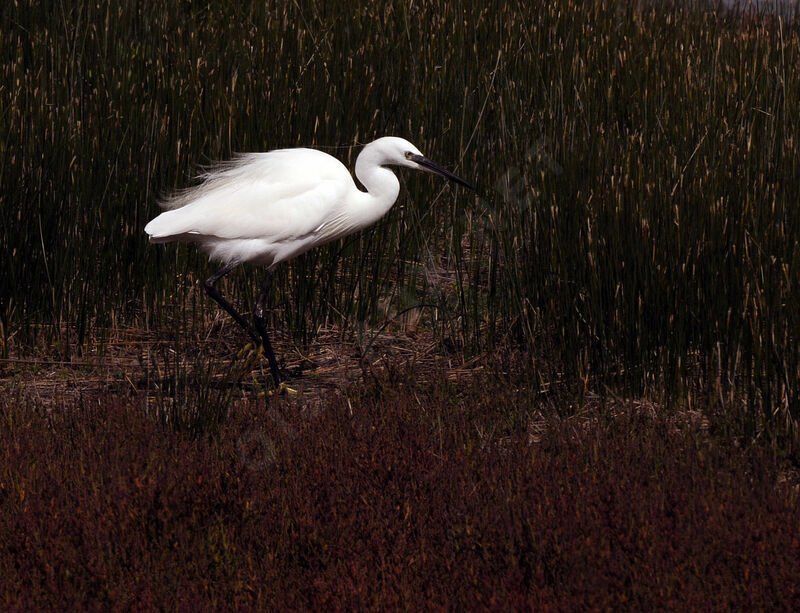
[[266, 208]]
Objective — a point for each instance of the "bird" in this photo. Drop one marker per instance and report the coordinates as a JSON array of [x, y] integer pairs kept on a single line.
[[265, 208]]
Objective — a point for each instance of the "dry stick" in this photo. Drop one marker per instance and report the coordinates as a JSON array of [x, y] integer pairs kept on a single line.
[[483, 108], [685, 166]]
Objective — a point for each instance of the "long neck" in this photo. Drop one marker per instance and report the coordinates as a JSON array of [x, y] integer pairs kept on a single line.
[[381, 183]]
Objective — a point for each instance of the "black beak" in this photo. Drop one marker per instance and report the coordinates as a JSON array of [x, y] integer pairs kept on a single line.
[[426, 164]]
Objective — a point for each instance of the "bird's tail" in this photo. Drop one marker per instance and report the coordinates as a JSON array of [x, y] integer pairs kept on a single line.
[[169, 226]]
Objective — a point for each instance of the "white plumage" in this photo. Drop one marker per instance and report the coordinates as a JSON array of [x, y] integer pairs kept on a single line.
[[266, 208]]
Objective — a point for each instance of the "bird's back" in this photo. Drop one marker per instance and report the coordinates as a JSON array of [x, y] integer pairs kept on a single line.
[[257, 207]]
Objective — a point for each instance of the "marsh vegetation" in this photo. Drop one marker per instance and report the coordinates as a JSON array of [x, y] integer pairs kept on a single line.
[[634, 241]]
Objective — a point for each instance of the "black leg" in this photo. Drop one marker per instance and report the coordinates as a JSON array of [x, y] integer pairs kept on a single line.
[[258, 318], [212, 291]]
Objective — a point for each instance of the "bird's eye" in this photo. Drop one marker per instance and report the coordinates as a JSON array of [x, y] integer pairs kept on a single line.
[[408, 155]]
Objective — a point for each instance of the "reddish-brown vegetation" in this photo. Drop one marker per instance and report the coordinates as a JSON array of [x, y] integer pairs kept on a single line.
[[394, 496]]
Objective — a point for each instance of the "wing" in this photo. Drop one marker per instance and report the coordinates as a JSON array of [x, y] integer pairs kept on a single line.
[[279, 196]]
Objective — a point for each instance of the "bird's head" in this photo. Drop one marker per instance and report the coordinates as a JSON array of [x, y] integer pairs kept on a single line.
[[394, 151]]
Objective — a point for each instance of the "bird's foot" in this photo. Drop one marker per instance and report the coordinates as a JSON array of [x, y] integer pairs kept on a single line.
[[245, 351], [250, 351], [281, 390]]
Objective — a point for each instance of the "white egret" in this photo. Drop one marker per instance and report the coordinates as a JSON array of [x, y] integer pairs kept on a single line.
[[266, 208]]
